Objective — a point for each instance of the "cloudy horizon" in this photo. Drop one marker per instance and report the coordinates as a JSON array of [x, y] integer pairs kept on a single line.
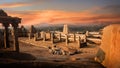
[[35, 12]]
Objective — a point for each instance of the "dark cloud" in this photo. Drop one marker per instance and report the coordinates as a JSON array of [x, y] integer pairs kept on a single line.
[[113, 9]]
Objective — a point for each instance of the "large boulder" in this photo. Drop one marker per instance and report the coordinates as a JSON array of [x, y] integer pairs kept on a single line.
[[109, 54]]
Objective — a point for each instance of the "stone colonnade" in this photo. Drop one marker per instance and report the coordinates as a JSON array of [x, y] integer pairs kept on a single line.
[[6, 20], [15, 35]]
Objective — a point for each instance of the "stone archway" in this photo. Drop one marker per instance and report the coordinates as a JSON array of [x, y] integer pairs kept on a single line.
[[6, 20]]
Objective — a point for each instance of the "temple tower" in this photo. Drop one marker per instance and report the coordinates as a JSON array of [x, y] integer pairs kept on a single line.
[[65, 29]]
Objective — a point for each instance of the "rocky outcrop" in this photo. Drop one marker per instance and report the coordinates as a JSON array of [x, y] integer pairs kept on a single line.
[[109, 54]]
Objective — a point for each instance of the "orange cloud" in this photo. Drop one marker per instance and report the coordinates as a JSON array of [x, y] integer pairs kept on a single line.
[[12, 5], [60, 17]]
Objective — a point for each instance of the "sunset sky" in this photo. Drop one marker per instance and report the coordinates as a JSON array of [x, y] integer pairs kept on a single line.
[[63, 11]]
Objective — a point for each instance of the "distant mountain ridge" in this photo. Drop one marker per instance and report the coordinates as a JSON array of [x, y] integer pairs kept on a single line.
[[74, 27]]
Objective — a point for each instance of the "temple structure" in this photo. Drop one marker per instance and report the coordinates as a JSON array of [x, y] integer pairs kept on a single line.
[[65, 29], [6, 20]]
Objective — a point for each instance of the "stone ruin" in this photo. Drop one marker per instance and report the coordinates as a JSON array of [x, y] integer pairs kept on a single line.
[[22, 32], [56, 37], [32, 31], [108, 53], [57, 51], [6, 20], [62, 51]]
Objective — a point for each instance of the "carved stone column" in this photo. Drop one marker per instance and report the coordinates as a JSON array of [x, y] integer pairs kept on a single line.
[[66, 39], [85, 39], [60, 37], [52, 38], [50, 35], [74, 37], [6, 37], [79, 42], [15, 37], [44, 36]]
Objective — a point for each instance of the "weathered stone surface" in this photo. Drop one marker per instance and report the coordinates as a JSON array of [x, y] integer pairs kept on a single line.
[[110, 46], [52, 38], [74, 37], [59, 37], [42, 34], [79, 42], [100, 56], [66, 39]]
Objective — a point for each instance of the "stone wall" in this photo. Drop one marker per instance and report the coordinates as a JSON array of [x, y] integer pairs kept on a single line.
[[110, 46]]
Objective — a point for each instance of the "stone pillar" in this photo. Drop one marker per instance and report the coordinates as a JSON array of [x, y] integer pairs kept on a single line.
[[44, 37], [32, 30], [74, 37], [85, 38], [35, 37], [87, 33], [39, 34], [6, 37], [79, 42], [42, 34], [52, 37], [67, 39], [15, 37], [60, 37], [29, 35]]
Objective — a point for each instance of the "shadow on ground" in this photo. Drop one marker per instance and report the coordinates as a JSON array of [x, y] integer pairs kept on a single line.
[[16, 56], [52, 65]]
